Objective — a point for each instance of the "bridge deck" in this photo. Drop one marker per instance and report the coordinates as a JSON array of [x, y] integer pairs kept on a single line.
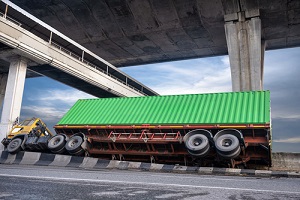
[[127, 33]]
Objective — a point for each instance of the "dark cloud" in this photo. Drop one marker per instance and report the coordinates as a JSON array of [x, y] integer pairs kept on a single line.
[[286, 147], [282, 72], [285, 128]]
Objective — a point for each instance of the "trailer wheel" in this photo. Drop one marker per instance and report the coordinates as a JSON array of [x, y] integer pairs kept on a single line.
[[79, 153], [57, 143], [197, 145], [14, 146], [73, 146], [228, 146]]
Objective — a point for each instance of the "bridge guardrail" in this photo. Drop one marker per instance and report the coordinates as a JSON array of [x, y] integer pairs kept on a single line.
[[92, 65], [10, 19]]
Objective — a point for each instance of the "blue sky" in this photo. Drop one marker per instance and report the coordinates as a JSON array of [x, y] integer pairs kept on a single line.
[[50, 100]]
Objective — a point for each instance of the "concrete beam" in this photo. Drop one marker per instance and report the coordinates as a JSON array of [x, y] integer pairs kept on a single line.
[[245, 51], [3, 81], [13, 95]]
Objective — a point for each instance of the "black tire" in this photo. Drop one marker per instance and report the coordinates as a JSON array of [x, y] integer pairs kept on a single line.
[[197, 145], [228, 146], [14, 146], [57, 143], [74, 144], [79, 153]]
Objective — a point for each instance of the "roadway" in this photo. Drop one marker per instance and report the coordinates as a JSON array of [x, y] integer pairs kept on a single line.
[[41, 182]]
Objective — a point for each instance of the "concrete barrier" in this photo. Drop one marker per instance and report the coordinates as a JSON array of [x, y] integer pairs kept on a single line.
[[44, 159], [286, 161]]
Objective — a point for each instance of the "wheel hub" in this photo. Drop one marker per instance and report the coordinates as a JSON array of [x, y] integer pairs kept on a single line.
[[226, 143], [197, 142], [55, 142], [73, 143], [14, 144]]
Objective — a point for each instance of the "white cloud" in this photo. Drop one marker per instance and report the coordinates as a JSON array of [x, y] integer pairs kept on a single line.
[[225, 60], [205, 75], [43, 112], [286, 115], [288, 140], [201, 81], [67, 96]]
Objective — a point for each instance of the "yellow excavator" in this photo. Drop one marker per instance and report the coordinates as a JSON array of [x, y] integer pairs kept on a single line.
[[31, 134]]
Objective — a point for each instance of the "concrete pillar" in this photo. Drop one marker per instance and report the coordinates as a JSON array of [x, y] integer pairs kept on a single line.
[[3, 81], [245, 50], [13, 95]]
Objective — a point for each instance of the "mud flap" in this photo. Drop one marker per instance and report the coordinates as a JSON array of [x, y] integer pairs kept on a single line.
[[86, 145]]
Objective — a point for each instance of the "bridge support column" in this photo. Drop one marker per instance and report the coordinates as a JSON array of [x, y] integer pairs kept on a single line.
[[245, 49], [13, 96], [3, 81]]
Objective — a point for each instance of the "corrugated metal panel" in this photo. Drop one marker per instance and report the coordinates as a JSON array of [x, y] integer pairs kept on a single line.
[[219, 108]]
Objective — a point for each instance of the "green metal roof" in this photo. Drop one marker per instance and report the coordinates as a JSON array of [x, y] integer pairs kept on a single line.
[[218, 108]]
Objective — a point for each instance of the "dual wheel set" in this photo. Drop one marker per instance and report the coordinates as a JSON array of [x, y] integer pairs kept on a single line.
[[61, 143], [227, 143]]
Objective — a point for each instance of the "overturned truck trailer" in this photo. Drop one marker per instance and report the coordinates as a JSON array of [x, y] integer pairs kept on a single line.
[[218, 129]]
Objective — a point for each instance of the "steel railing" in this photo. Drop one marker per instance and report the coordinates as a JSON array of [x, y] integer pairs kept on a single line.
[[93, 66]]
